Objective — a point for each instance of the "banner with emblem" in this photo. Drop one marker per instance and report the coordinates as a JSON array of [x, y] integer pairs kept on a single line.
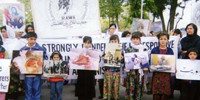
[[62, 18]]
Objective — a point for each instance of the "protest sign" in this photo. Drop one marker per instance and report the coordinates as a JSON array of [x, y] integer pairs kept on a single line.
[[188, 69], [4, 74], [162, 63]]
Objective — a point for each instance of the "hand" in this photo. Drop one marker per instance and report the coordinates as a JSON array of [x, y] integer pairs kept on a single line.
[[102, 58], [126, 70], [10, 66], [66, 76], [183, 52]]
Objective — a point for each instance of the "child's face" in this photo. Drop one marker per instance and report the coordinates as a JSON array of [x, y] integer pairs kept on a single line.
[[192, 55], [87, 44], [163, 40], [56, 57], [31, 41], [114, 41], [136, 41]]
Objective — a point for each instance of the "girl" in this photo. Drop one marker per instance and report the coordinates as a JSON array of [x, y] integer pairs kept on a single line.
[[56, 83], [190, 89], [134, 76], [111, 78], [85, 87], [161, 81]]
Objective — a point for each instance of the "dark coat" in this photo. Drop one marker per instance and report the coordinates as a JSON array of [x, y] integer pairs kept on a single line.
[[156, 50], [85, 87]]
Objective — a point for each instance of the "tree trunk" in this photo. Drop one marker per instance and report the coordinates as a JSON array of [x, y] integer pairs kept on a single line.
[[163, 20], [172, 13], [117, 19]]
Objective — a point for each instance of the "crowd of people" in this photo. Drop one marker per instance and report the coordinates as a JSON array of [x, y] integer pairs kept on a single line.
[[136, 80]]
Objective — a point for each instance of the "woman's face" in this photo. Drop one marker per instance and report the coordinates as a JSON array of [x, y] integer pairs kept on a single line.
[[30, 29], [190, 30], [4, 33], [112, 30]]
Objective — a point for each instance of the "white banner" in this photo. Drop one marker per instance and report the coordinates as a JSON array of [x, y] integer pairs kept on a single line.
[[188, 69], [62, 18], [64, 46], [4, 74]]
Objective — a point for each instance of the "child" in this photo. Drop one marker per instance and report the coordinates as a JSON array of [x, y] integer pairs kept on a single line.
[[32, 82], [161, 80], [190, 89], [56, 82], [111, 78], [85, 87], [134, 76]]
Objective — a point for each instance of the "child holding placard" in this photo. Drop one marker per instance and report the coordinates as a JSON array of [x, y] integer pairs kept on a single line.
[[134, 76], [111, 77], [56, 83], [190, 89], [85, 87], [161, 80]]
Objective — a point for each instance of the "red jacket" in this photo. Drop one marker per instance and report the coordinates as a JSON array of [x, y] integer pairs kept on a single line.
[[56, 79]]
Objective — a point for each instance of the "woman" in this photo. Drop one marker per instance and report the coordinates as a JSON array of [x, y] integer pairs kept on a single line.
[[191, 40]]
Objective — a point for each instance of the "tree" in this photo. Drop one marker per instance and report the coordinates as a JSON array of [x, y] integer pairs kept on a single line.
[[28, 12], [111, 9], [135, 10]]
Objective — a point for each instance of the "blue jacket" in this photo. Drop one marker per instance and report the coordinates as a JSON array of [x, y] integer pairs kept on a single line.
[[156, 50], [37, 47]]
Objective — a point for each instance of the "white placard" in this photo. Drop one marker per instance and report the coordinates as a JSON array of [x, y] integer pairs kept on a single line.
[[4, 74], [188, 69]]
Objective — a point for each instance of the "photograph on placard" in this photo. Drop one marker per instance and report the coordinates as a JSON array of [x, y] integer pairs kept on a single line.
[[188, 69], [141, 25], [14, 15], [55, 68], [29, 62], [85, 59], [136, 60], [113, 55], [162, 63]]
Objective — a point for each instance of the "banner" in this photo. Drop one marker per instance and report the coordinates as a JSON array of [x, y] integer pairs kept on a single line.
[[162, 63], [65, 45], [84, 59], [63, 18], [188, 69], [4, 74], [13, 15]]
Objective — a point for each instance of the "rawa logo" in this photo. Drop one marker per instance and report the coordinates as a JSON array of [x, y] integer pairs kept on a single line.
[[64, 5], [59, 9]]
